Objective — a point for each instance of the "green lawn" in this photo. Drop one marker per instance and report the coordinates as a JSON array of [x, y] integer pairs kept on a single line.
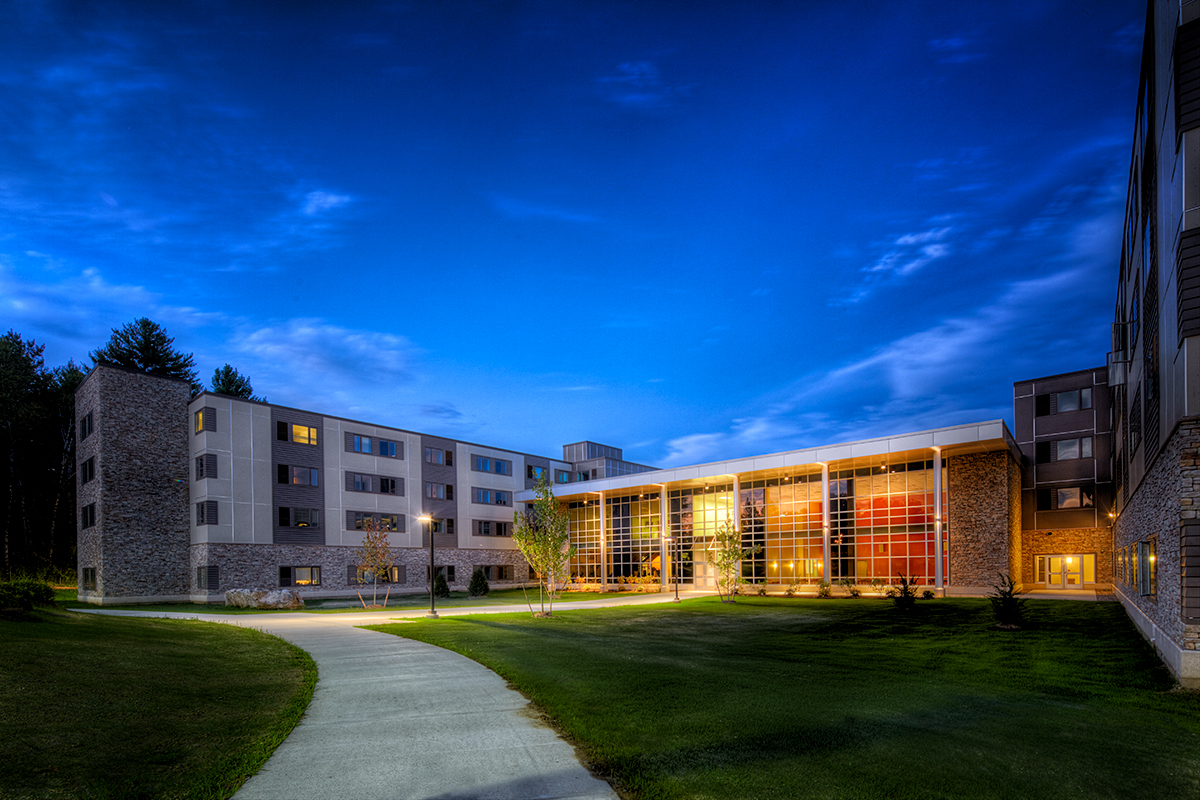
[[104, 707], [794, 698], [497, 597]]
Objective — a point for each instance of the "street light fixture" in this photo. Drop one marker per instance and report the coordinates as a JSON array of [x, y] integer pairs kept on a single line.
[[428, 520]]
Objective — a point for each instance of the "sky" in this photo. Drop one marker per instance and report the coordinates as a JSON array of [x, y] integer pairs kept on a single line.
[[694, 231]]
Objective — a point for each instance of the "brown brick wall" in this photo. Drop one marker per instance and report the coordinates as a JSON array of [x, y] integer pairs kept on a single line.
[[983, 515], [139, 543]]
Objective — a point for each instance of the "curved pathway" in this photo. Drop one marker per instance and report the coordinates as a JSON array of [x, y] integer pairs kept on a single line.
[[393, 718]]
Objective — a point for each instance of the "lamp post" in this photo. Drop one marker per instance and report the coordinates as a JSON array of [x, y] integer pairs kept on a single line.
[[428, 520], [674, 575]]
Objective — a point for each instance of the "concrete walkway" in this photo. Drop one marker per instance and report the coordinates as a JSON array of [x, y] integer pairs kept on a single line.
[[393, 718]]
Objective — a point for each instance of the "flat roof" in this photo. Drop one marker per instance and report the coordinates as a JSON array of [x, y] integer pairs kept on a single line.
[[976, 437]]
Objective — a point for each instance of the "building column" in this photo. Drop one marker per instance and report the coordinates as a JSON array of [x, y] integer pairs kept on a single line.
[[938, 578], [663, 531], [603, 544], [825, 522], [737, 503]]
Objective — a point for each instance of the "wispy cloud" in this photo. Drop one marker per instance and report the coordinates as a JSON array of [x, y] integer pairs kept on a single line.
[[318, 201], [639, 86], [955, 50], [520, 209]]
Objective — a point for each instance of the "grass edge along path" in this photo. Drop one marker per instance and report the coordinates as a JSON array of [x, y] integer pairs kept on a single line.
[[108, 708], [789, 698]]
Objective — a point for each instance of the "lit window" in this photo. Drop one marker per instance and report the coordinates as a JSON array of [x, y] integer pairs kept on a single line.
[[302, 434], [299, 576]]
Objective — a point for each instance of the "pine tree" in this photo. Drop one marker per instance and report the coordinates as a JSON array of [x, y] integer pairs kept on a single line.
[[227, 380], [479, 584], [440, 587], [144, 345]]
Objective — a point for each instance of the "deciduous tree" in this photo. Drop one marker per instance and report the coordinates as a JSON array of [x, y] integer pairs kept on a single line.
[[727, 555], [374, 558], [543, 539]]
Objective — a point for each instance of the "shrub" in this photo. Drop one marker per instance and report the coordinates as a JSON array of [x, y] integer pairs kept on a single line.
[[25, 593], [850, 586], [440, 587], [928, 594], [478, 586], [905, 595], [823, 589], [792, 588], [761, 589], [1007, 604]]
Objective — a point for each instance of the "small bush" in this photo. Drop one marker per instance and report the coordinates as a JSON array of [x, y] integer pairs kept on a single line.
[[478, 586], [928, 594], [440, 587], [823, 589], [25, 593], [1007, 604], [905, 595], [850, 586], [792, 588]]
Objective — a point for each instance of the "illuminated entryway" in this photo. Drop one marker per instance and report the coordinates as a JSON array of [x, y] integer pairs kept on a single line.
[[1068, 571]]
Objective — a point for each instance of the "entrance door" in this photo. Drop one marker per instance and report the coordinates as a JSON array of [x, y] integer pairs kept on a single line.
[[1066, 571]]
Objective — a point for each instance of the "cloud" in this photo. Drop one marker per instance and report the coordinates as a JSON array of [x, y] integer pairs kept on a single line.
[[954, 50], [519, 209], [442, 411], [316, 202], [639, 86]]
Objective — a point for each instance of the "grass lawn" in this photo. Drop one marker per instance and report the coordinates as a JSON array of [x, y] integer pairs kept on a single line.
[[794, 698], [105, 707], [497, 597]]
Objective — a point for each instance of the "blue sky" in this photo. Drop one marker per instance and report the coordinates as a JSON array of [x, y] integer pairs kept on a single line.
[[693, 231]]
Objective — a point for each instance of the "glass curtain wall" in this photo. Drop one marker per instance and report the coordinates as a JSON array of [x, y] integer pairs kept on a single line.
[[633, 535], [695, 514], [783, 515], [583, 524], [882, 523]]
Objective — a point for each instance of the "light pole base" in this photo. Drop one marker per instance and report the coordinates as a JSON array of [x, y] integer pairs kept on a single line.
[[432, 615]]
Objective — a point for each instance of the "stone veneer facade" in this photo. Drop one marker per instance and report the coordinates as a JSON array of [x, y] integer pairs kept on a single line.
[[256, 566], [1165, 506], [138, 544], [984, 519], [1067, 541]]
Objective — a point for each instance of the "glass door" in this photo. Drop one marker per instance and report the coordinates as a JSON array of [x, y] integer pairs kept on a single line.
[[1066, 571]]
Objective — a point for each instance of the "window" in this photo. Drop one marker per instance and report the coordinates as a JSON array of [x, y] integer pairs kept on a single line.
[[206, 512], [1064, 450], [439, 491], [503, 467], [206, 419], [85, 426], [362, 483], [482, 464], [483, 496], [388, 449], [208, 577], [446, 571], [442, 526], [397, 574], [1147, 576], [206, 466], [501, 572], [534, 473], [387, 485], [487, 527], [299, 517], [362, 444], [299, 576], [87, 516], [435, 456], [562, 476], [1074, 400], [87, 470], [89, 579], [297, 476], [302, 434], [1067, 497], [356, 521]]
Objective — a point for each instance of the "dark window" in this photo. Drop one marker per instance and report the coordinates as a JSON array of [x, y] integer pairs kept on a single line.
[[1043, 452], [388, 449], [89, 579], [482, 496], [87, 470], [206, 466], [487, 527], [1041, 405], [208, 577], [447, 571], [482, 464], [442, 526], [501, 572], [206, 512], [436, 456], [299, 576], [281, 431], [439, 491], [87, 516], [362, 444], [387, 485], [298, 476], [534, 473], [85, 426], [503, 467]]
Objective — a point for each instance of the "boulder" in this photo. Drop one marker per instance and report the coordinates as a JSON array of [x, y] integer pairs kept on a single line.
[[262, 598]]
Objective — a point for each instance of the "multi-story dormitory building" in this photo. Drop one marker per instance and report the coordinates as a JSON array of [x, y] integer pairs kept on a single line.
[[1098, 489]]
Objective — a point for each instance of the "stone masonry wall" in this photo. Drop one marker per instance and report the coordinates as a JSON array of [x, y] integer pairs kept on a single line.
[[981, 517], [1064, 541], [1167, 499], [139, 543], [1016, 548], [256, 566]]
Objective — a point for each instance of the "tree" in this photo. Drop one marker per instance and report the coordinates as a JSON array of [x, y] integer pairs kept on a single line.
[[1007, 604], [543, 539], [478, 586], [144, 345], [227, 380], [728, 552], [374, 558], [440, 587]]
